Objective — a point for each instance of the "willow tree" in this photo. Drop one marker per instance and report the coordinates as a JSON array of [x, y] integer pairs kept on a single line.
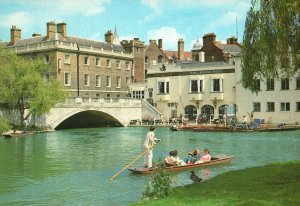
[[271, 45], [26, 87]]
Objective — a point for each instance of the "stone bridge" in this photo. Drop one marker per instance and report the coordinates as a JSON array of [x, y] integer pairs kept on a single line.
[[89, 112]]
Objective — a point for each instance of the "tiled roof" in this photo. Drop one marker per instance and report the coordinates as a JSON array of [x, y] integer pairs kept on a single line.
[[69, 39], [187, 55], [231, 48]]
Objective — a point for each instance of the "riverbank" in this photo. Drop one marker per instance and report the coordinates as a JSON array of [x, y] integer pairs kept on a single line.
[[274, 184]]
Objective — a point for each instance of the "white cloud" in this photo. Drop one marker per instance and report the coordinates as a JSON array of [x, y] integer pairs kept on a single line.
[[169, 35], [20, 19]]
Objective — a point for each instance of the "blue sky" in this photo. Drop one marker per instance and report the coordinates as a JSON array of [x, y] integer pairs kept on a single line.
[[145, 19]]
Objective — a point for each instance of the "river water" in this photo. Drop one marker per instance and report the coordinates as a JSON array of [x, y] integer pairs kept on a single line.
[[73, 167]]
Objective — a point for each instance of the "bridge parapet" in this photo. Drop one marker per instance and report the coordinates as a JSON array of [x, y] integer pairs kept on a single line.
[[103, 102]]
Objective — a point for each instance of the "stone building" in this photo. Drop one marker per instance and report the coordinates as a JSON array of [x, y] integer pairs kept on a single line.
[[85, 68]]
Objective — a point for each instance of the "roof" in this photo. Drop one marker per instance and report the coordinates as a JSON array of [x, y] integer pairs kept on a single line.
[[69, 39], [231, 48], [172, 54]]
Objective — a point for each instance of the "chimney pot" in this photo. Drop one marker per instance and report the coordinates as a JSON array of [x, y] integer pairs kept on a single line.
[[180, 49], [62, 29], [50, 29], [160, 43], [15, 34]]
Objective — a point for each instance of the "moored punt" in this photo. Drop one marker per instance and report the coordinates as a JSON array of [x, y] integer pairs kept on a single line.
[[227, 129], [214, 161], [14, 134]]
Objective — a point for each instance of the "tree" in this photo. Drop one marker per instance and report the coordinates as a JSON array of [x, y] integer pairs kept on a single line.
[[24, 86], [271, 45]]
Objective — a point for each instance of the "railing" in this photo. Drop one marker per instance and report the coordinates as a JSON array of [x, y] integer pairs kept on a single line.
[[67, 45]]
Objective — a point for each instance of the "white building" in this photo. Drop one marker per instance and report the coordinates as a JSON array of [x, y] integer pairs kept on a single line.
[[192, 89], [277, 102], [214, 88]]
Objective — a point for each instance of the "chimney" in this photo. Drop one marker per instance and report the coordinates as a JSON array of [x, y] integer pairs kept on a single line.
[[15, 34], [232, 40], [180, 49], [36, 35], [62, 29], [50, 29], [209, 39], [152, 41], [160, 43], [109, 37]]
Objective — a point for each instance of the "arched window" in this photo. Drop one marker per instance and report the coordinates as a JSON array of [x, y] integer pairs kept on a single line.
[[223, 110], [207, 112], [191, 112]]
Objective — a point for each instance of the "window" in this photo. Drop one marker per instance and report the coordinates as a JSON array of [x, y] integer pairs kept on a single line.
[[118, 64], [97, 95], [98, 61], [108, 63], [146, 59], [67, 59], [138, 94], [270, 84], [298, 83], [284, 106], [46, 59], [118, 81], [127, 80], [297, 106], [256, 106], [285, 84], [159, 58], [98, 80], [67, 79], [257, 84], [270, 107], [86, 61], [196, 86], [46, 76], [86, 80], [217, 85], [163, 87], [127, 65], [108, 81]]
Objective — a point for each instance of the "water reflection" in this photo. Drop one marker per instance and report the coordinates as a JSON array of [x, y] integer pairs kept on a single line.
[[73, 167]]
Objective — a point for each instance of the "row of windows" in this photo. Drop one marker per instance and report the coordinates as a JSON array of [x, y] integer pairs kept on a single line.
[[67, 60], [284, 83], [67, 80], [270, 106], [196, 86]]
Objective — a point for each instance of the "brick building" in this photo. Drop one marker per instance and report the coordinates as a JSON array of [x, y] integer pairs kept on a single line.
[[85, 68], [213, 50]]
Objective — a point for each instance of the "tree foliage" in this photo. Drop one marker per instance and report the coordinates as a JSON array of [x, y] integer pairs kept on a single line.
[[271, 45], [23, 86]]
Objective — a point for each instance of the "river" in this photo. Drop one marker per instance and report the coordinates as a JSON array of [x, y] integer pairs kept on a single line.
[[73, 167]]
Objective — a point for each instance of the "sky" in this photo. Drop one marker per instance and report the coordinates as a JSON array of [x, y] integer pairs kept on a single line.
[[145, 19]]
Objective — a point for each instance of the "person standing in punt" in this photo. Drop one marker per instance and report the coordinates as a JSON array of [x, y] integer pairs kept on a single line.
[[149, 143]]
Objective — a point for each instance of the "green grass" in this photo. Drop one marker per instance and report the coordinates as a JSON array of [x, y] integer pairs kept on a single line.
[[274, 184]]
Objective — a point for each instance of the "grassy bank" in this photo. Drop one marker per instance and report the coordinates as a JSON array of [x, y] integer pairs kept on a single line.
[[275, 184]]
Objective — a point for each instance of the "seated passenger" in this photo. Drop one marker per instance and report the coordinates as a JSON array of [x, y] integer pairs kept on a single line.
[[205, 158], [173, 160], [193, 157]]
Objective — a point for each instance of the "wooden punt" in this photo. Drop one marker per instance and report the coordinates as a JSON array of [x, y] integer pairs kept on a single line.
[[214, 161], [8, 135]]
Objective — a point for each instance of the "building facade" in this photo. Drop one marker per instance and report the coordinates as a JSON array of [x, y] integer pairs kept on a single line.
[[85, 68], [278, 100], [192, 89]]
